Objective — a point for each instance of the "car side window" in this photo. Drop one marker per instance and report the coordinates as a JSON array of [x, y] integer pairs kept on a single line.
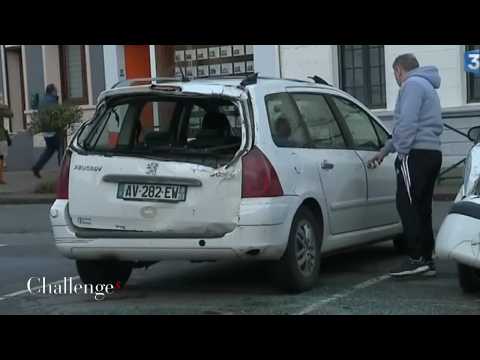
[[359, 124], [286, 126], [324, 131], [382, 134]]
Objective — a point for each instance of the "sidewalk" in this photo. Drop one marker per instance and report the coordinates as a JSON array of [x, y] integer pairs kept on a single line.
[[23, 188]]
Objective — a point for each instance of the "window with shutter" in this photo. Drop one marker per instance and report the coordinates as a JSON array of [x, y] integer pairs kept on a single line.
[[362, 73], [73, 74]]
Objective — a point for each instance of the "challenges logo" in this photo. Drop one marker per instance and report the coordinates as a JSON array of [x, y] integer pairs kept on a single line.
[[36, 285]]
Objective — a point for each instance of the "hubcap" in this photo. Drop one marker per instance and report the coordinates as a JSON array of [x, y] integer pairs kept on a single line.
[[305, 249]]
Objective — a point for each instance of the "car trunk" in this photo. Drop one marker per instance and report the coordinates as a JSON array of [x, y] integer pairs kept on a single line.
[[130, 188]]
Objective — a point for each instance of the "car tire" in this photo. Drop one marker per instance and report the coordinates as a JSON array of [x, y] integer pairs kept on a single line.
[[305, 237], [96, 272], [469, 278], [400, 244]]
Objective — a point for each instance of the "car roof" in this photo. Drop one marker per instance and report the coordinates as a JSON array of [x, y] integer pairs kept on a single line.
[[214, 85]]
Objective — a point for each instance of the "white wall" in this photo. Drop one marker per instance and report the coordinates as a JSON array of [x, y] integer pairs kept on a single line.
[[449, 60], [266, 60], [114, 62], [452, 92], [302, 61]]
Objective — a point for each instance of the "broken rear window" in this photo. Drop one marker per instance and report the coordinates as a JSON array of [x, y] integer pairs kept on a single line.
[[166, 127]]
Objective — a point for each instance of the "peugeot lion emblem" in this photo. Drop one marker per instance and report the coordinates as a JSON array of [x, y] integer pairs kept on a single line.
[[152, 169]]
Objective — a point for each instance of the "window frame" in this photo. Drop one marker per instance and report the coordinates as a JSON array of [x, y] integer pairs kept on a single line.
[[341, 119], [66, 98], [470, 78], [366, 75]]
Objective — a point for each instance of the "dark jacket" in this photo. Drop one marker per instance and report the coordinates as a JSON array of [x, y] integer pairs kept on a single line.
[[47, 101]]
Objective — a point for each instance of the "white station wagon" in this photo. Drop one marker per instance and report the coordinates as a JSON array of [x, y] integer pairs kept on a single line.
[[223, 168]]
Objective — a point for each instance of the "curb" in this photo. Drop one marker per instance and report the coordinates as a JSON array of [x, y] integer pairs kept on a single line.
[[27, 200]]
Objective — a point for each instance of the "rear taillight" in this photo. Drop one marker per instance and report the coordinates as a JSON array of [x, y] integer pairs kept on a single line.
[[63, 178], [259, 178]]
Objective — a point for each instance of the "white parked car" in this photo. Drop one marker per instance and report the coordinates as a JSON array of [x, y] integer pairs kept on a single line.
[[227, 168], [459, 236]]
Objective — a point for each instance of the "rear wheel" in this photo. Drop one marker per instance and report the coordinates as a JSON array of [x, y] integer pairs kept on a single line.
[[299, 266], [112, 272], [469, 278]]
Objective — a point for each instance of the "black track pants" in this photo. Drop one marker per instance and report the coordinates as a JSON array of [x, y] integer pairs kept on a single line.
[[416, 176]]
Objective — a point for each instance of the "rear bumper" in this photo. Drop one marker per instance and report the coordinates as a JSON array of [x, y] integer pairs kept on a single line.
[[459, 235], [262, 234]]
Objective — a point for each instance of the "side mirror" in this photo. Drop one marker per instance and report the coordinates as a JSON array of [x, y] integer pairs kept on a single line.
[[474, 134]]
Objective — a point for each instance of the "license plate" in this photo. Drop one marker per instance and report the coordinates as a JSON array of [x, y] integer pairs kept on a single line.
[[152, 192]]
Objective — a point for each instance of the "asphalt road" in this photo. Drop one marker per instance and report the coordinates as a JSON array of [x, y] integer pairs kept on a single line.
[[350, 283]]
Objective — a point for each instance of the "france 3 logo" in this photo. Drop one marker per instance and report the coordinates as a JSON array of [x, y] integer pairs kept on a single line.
[[472, 62]]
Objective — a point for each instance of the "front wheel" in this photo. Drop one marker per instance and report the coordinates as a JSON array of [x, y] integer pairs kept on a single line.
[[469, 278], [96, 272], [299, 267]]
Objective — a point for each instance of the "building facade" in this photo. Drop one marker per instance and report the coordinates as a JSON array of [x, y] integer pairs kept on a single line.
[[366, 72], [81, 72]]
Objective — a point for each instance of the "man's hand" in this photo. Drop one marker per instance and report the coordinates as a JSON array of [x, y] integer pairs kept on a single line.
[[376, 160]]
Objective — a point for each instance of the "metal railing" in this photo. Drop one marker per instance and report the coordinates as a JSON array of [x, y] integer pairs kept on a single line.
[[442, 176]]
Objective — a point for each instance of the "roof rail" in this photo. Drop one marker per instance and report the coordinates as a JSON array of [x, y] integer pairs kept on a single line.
[[145, 81], [246, 80]]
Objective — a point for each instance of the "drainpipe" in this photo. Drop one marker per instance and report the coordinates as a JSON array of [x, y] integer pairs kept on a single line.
[[4, 72], [279, 55]]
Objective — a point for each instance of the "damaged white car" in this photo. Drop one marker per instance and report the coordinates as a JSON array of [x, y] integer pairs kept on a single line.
[[215, 169], [459, 235]]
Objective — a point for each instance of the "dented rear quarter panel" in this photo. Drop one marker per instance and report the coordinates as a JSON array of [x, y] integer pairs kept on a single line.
[[298, 179]]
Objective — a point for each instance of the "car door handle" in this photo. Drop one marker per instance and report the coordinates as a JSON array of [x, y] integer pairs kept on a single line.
[[327, 165]]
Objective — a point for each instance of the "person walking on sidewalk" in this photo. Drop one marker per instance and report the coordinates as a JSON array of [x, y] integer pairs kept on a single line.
[[53, 140], [416, 140], [5, 142]]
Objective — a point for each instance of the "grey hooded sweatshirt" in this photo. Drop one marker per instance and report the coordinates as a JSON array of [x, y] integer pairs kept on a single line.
[[418, 114]]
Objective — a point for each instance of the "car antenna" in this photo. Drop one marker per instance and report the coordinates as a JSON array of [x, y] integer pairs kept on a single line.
[[319, 80], [249, 80]]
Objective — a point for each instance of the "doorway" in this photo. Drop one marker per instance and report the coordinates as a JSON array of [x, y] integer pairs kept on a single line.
[[15, 88], [137, 61]]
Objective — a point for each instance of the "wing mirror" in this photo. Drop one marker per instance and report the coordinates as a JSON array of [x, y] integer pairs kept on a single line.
[[474, 134]]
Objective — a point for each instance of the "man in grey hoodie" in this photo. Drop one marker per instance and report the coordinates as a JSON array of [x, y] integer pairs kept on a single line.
[[416, 140]]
